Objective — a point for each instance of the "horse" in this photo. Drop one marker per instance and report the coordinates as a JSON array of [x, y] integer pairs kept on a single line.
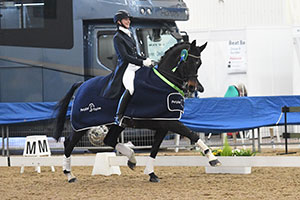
[[177, 70]]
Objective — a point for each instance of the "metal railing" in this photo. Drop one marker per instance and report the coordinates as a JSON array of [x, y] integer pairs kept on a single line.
[[13, 137]]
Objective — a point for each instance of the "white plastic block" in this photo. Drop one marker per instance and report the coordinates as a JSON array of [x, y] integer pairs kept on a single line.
[[228, 170], [102, 165]]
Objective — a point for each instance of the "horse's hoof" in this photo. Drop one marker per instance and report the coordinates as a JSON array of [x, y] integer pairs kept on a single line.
[[154, 178], [70, 176], [72, 180], [215, 163], [131, 165]]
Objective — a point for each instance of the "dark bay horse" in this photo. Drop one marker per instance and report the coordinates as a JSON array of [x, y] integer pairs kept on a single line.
[[178, 68]]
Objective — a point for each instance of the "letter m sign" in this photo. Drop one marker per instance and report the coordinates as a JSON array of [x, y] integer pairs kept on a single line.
[[36, 146], [31, 148]]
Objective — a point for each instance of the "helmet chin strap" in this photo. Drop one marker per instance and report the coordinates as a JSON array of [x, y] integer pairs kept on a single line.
[[121, 24]]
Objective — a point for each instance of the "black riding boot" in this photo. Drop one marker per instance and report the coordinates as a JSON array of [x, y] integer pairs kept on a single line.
[[123, 102]]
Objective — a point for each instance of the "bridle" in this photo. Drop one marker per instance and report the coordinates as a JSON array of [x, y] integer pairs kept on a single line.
[[183, 58], [184, 79]]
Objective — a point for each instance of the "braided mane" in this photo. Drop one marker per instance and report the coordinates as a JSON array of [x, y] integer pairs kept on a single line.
[[167, 53]]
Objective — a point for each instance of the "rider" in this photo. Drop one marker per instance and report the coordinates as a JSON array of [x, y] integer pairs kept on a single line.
[[129, 60]]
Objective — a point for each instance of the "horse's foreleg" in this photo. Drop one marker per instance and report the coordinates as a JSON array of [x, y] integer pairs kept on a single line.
[[111, 139], [179, 128], [129, 153], [69, 145], [213, 161], [149, 169]]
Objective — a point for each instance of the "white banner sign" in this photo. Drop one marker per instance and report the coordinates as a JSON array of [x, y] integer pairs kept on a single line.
[[237, 56]]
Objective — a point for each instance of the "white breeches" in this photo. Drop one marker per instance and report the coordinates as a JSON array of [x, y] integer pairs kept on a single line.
[[128, 77]]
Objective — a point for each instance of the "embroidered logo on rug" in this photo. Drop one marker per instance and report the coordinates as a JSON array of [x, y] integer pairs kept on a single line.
[[175, 102], [91, 108]]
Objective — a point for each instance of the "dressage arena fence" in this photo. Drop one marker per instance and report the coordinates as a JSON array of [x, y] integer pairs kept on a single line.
[[13, 138], [109, 163]]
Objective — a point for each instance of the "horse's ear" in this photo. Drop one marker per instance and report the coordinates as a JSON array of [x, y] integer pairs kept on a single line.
[[203, 47], [194, 43]]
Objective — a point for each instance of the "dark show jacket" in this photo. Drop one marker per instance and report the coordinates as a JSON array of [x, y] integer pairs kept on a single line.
[[126, 51]]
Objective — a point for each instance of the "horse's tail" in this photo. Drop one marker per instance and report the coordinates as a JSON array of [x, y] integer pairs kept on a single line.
[[62, 107]]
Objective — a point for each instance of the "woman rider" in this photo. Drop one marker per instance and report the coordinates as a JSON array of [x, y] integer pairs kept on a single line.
[[129, 60]]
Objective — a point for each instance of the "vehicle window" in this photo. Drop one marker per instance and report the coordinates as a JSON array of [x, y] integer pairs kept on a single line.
[[155, 42], [35, 23], [19, 15], [106, 51]]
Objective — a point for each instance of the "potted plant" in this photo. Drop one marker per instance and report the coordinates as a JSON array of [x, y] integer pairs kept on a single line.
[[225, 152]]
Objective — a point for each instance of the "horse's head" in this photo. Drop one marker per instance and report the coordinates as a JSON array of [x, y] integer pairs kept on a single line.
[[181, 64], [188, 69]]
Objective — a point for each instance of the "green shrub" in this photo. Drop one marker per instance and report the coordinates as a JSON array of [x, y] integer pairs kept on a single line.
[[227, 150]]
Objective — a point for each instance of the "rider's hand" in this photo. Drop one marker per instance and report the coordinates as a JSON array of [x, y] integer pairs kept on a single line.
[[147, 62]]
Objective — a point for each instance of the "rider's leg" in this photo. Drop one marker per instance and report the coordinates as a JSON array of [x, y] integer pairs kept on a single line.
[[123, 102], [128, 82]]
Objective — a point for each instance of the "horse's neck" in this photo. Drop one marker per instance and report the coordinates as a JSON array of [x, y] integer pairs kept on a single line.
[[168, 64]]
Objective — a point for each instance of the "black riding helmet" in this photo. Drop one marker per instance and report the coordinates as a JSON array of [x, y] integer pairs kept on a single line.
[[121, 14]]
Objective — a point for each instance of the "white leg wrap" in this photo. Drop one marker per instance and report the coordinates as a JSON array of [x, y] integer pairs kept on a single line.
[[66, 163], [149, 166], [211, 156], [125, 150], [204, 148]]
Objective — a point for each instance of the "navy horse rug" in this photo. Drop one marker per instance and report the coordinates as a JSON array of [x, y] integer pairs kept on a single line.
[[153, 98]]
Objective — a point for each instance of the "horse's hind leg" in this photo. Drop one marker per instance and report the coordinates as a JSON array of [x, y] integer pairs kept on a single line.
[[69, 145], [111, 139], [179, 128], [149, 169]]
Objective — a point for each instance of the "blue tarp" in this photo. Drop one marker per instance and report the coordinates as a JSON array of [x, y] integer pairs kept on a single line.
[[203, 115], [237, 113], [11, 113]]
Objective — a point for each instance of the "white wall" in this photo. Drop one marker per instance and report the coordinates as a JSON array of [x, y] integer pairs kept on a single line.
[[233, 14], [271, 59], [296, 60]]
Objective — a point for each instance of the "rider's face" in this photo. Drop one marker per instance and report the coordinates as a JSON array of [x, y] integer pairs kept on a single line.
[[126, 22]]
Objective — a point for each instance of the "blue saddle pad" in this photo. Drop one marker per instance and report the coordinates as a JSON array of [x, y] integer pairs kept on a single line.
[[152, 99]]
